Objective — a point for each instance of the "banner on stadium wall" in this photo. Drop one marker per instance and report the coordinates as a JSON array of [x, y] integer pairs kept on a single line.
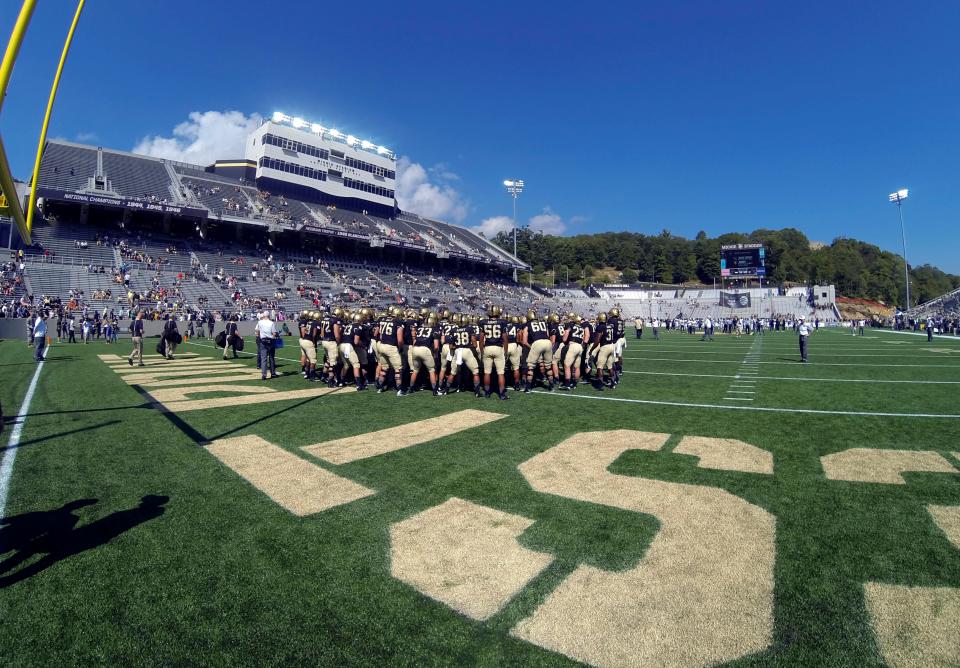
[[735, 299], [132, 203]]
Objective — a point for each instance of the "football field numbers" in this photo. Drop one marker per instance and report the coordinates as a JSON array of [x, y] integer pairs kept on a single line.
[[702, 594], [913, 625]]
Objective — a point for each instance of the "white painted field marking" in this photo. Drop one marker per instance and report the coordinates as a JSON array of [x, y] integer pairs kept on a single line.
[[819, 380], [785, 363], [13, 443], [759, 409], [373, 443]]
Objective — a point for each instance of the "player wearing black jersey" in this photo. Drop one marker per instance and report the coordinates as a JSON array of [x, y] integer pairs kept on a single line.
[[574, 338], [493, 345], [423, 352], [389, 333], [556, 329], [308, 344], [513, 350], [603, 348], [464, 340], [616, 323], [330, 340], [349, 342], [535, 337], [446, 327]]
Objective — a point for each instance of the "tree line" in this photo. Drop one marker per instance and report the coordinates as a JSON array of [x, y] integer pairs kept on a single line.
[[856, 268]]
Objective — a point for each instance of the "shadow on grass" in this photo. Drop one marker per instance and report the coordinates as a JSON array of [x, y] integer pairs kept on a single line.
[[54, 535], [33, 362], [10, 419], [62, 433]]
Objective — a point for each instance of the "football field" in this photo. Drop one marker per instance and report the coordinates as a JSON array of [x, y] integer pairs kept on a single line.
[[725, 504]]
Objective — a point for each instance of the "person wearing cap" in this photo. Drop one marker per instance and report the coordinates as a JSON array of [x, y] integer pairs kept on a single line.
[[804, 330], [266, 336]]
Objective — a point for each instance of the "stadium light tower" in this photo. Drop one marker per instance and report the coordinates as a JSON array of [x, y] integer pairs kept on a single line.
[[897, 198], [514, 187]]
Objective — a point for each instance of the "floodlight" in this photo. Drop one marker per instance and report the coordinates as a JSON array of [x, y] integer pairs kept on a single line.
[[508, 183], [277, 117], [899, 195]]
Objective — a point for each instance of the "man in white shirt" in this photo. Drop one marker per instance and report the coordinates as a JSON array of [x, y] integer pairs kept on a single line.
[[40, 335], [707, 329], [266, 333], [804, 330]]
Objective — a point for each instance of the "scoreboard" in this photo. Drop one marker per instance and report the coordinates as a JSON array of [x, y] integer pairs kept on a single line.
[[743, 260]]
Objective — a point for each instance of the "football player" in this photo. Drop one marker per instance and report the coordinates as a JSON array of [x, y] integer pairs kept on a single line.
[[535, 337], [464, 340], [493, 345], [389, 332], [423, 352], [616, 323], [349, 343], [603, 347], [556, 329], [513, 350], [330, 340], [308, 346], [573, 337]]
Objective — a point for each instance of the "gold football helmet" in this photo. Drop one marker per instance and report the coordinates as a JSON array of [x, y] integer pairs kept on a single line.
[[601, 317], [554, 318], [614, 313], [531, 315], [494, 311]]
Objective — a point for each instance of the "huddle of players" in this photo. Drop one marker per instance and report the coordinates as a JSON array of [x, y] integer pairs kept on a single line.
[[448, 348]]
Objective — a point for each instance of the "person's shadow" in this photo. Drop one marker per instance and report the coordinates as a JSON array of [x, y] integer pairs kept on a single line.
[[54, 534]]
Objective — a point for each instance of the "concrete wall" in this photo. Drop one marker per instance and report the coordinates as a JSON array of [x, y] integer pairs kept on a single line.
[[16, 328]]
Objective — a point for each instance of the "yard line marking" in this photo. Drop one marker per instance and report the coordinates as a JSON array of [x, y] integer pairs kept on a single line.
[[737, 399], [761, 409], [371, 444], [784, 363], [741, 392], [817, 379], [10, 454]]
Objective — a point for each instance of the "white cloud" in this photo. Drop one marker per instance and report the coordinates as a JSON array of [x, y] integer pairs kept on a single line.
[[490, 227], [86, 136], [417, 193], [202, 139], [548, 222]]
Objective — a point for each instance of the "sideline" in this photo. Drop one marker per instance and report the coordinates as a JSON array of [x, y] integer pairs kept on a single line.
[[762, 409], [243, 352], [10, 454]]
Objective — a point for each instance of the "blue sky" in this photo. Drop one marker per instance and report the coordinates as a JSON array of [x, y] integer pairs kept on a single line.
[[721, 116]]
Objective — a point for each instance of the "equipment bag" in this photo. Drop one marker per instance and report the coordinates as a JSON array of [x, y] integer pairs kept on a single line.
[[238, 342], [221, 340]]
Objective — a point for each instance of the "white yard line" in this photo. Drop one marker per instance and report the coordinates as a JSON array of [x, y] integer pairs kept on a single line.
[[13, 443], [760, 409], [784, 363], [819, 380]]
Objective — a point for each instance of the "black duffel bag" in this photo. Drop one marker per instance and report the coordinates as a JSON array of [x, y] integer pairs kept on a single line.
[[221, 340], [238, 342], [176, 337]]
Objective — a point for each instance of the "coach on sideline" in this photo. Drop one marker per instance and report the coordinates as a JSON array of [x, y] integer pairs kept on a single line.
[[266, 337], [803, 329]]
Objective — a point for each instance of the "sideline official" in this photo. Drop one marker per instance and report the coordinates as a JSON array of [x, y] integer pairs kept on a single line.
[[267, 336]]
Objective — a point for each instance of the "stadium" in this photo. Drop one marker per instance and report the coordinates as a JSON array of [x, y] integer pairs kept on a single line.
[[256, 411]]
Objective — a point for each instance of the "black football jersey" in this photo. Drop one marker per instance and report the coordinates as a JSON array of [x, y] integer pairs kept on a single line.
[[389, 329], [537, 330], [461, 336], [493, 329], [446, 329], [616, 324], [576, 332], [327, 327], [347, 332], [511, 333], [313, 330], [425, 336]]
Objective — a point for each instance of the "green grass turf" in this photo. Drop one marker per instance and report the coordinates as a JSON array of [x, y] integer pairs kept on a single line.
[[225, 576]]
